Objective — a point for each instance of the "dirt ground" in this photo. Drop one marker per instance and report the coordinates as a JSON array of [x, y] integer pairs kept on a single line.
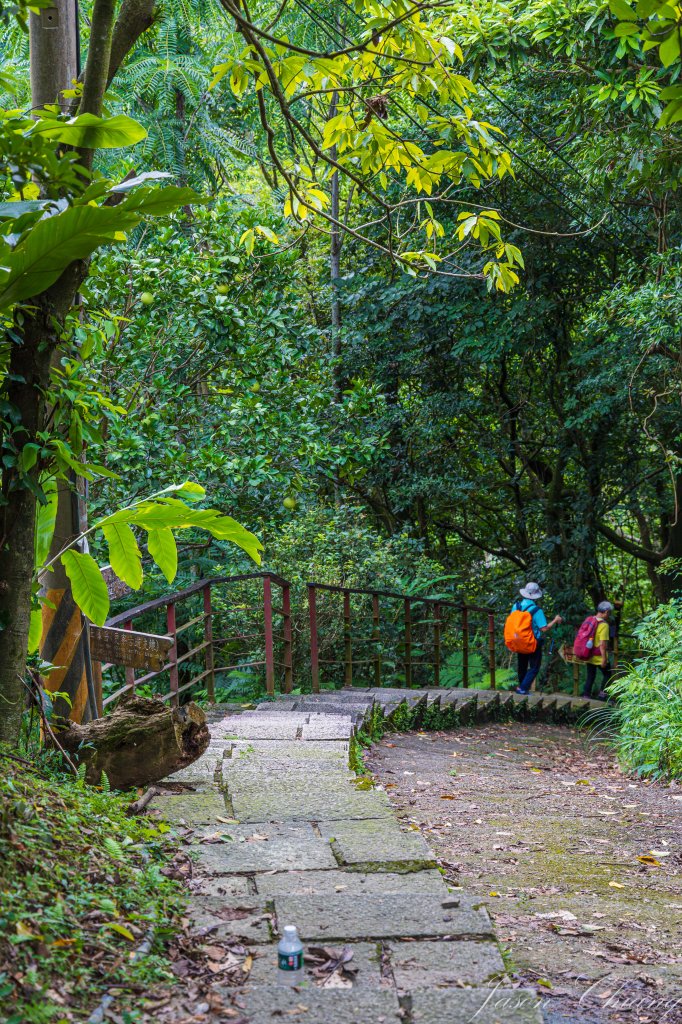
[[579, 865]]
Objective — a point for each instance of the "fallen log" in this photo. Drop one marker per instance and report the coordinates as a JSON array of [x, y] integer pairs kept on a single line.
[[141, 742]]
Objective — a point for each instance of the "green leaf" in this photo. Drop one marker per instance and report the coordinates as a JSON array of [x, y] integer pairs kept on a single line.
[[671, 92], [124, 553], [157, 202], [35, 630], [14, 210], [164, 551], [669, 50], [621, 10], [189, 490], [45, 520], [91, 132], [672, 114], [121, 929], [130, 183], [87, 585], [54, 243], [625, 28]]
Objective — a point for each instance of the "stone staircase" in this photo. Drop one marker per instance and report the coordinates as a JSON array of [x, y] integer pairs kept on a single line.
[[295, 837], [395, 708]]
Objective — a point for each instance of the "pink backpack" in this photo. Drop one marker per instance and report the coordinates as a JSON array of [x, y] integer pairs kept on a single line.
[[583, 645]]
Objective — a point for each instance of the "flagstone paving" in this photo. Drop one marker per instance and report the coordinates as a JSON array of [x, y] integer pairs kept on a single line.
[[280, 833]]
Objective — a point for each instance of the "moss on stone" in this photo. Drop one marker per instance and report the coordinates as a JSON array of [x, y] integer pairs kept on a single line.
[[402, 719]]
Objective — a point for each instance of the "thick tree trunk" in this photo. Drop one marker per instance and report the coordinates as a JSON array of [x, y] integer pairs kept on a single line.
[[28, 376], [143, 741]]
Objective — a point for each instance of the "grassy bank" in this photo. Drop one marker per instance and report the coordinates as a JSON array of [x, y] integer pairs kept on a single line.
[[82, 887]]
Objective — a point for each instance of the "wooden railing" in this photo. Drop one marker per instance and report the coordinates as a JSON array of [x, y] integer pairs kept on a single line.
[[346, 636], [380, 610], [404, 647], [191, 612]]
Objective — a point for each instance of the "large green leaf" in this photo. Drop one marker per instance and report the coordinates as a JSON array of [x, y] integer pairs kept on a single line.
[[158, 202], [622, 10], [54, 243], [35, 631], [669, 50], [87, 585], [45, 519], [128, 184], [164, 551], [124, 553], [10, 211], [91, 132], [175, 515]]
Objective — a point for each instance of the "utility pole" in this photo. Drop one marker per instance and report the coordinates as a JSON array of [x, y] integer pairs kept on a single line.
[[55, 51], [55, 64]]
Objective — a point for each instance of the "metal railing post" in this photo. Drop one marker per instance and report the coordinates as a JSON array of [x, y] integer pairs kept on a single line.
[[465, 646], [376, 639], [436, 644], [288, 658], [314, 649], [209, 663], [408, 642], [576, 679], [347, 642], [130, 672], [269, 641], [491, 649], [173, 653]]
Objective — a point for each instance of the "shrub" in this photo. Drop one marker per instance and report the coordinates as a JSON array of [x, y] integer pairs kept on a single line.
[[649, 698]]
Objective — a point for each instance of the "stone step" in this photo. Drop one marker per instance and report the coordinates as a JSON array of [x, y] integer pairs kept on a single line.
[[256, 725], [337, 917], [376, 844]]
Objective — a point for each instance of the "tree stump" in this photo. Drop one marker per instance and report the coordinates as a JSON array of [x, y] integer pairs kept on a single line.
[[141, 742]]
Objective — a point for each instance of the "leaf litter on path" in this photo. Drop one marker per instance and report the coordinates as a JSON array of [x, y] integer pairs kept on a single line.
[[584, 887]]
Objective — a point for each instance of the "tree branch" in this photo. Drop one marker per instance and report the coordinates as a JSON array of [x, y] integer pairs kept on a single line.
[[630, 546], [496, 552], [99, 52], [134, 18]]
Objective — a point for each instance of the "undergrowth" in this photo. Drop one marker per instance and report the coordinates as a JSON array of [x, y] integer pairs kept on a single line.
[[646, 720], [82, 886]]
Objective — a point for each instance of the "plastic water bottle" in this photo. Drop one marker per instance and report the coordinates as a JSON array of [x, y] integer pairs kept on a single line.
[[290, 957]]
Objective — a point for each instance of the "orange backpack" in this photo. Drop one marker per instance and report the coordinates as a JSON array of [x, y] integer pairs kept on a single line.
[[518, 631]]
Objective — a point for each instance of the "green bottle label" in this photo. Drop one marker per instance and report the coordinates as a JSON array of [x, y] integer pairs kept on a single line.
[[290, 961]]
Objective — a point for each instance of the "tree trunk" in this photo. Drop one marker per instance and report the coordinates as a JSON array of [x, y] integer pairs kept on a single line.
[[142, 742], [28, 376]]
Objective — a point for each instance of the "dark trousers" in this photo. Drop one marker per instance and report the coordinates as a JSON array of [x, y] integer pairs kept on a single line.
[[592, 675], [528, 667]]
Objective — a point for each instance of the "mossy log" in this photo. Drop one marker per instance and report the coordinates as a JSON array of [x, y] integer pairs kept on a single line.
[[141, 742]]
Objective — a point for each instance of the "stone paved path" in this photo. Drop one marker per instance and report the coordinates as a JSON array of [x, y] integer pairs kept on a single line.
[[297, 838]]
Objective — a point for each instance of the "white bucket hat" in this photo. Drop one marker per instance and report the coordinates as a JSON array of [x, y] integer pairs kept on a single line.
[[532, 591]]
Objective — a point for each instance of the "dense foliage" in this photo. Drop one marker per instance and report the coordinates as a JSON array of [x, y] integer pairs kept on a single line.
[[417, 322]]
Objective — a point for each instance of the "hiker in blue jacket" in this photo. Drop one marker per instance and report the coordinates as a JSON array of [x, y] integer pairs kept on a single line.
[[529, 664]]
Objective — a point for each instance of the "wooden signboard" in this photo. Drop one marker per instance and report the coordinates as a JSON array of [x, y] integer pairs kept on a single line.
[[125, 647], [566, 654]]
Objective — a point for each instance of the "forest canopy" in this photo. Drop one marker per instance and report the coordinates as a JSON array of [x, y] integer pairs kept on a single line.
[[388, 276]]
